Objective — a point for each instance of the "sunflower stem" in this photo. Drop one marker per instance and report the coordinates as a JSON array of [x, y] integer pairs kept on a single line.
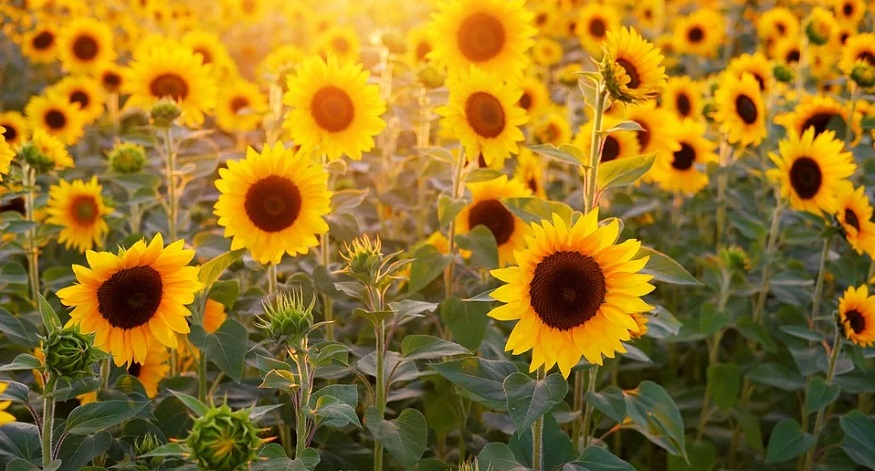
[[587, 412], [851, 111], [818, 285], [325, 260], [301, 431], [170, 170], [48, 420], [422, 140], [458, 185], [271, 279], [28, 177], [538, 433], [380, 387], [595, 149], [714, 350], [771, 242], [577, 407], [819, 419], [722, 183]]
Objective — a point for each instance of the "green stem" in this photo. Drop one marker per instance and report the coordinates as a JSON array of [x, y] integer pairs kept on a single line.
[[714, 348], [577, 406], [771, 242], [29, 181], [587, 412], [202, 387], [422, 140], [819, 421], [304, 404], [271, 279], [595, 149], [380, 387], [458, 186], [818, 286], [48, 420], [538, 433], [170, 171], [853, 108], [722, 183]]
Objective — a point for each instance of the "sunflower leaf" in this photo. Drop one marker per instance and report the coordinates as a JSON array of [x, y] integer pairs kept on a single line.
[[657, 417], [594, 458], [17, 329], [427, 347], [96, 416], [428, 265], [820, 394], [481, 243], [623, 172], [624, 126], [499, 457], [405, 438], [787, 441], [535, 210], [24, 361], [567, 153], [50, 317], [529, 399], [212, 270], [665, 269], [196, 406], [859, 441]]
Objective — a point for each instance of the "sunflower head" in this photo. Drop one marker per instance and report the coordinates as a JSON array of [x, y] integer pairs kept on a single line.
[[854, 216], [6, 154], [820, 26], [856, 316], [164, 112], [631, 67], [127, 158], [431, 77], [287, 319], [45, 153], [863, 74], [223, 440], [79, 209], [70, 353]]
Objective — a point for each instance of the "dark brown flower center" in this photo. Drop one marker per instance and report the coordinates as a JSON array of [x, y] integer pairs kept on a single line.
[[525, 101], [819, 121], [610, 149], [134, 369], [848, 9], [684, 158], [238, 103], [481, 37], [867, 56], [206, 57], [130, 297], [111, 80], [851, 219], [273, 203], [42, 41], [857, 321], [496, 218], [597, 28], [81, 98], [805, 177], [643, 136], [85, 48], [422, 49], [171, 85], [10, 132], [567, 289], [84, 210], [332, 108], [760, 81], [631, 71], [746, 109], [55, 119], [781, 28], [682, 102], [793, 56], [484, 114], [695, 34]]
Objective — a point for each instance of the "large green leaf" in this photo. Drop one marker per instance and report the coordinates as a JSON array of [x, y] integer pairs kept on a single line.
[[226, 347], [77, 451], [859, 440], [610, 401], [498, 457], [623, 172], [24, 361], [467, 320], [535, 210], [565, 153], [787, 441], [96, 416], [333, 412], [529, 399], [724, 384], [193, 403], [778, 376], [212, 270], [820, 394], [594, 458], [49, 316], [657, 416], [428, 347], [481, 243], [665, 269], [19, 440], [20, 331], [482, 378], [404, 438], [427, 265]]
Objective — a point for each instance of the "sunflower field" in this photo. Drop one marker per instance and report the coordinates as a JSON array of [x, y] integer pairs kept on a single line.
[[491, 235]]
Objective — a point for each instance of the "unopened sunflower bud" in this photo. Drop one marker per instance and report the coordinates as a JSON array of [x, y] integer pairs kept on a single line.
[[782, 73], [363, 259], [287, 319], [394, 42], [820, 26], [35, 158], [863, 74], [568, 75], [431, 77], [735, 259], [127, 158], [144, 445], [164, 112], [70, 353], [223, 440]]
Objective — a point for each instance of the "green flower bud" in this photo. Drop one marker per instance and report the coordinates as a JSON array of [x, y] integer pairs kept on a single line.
[[363, 259], [223, 440], [34, 157], [735, 259], [127, 158], [394, 42], [863, 74], [782, 73], [164, 112], [70, 353], [431, 77], [144, 445], [287, 320]]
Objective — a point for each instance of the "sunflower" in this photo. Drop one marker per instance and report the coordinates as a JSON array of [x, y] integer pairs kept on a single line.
[[573, 292], [754, 64], [273, 203], [241, 107], [617, 145], [855, 217], [593, 23], [650, 14], [858, 47], [777, 23], [340, 42], [53, 113], [86, 93], [128, 298], [16, 128], [53, 152], [487, 210], [40, 45], [213, 52], [6, 154], [169, 70], [658, 124], [419, 44], [683, 96], [701, 33], [547, 51], [631, 67], [812, 170], [740, 110], [821, 113], [681, 171], [5, 417], [484, 115], [786, 51], [334, 111], [111, 77], [821, 27], [857, 316], [214, 315], [493, 35], [153, 368], [551, 128], [530, 170], [78, 207], [84, 43], [535, 98], [850, 11]]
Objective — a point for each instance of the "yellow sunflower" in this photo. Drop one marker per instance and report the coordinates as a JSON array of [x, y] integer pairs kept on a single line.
[[820, 113], [5, 417], [214, 315], [857, 315], [755, 64], [530, 170], [111, 77], [552, 128], [683, 170], [340, 42], [419, 44], [573, 291], [334, 111], [213, 52], [127, 298], [53, 113], [631, 67], [6, 154], [241, 107], [617, 145], [593, 23], [740, 110], [86, 93], [821, 27], [153, 369], [487, 210], [786, 51], [53, 153], [273, 203], [812, 170], [84, 43], [16, 127], [535, 98], [280, 62], [492, 35], [683, 96], [169, 70], [776, 24], [855, 216], [41, 44], [701, 33], [484, 114], [850, 11], [547, 51], [659, 126], [858, 47], [78, 207], [650, 14]]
